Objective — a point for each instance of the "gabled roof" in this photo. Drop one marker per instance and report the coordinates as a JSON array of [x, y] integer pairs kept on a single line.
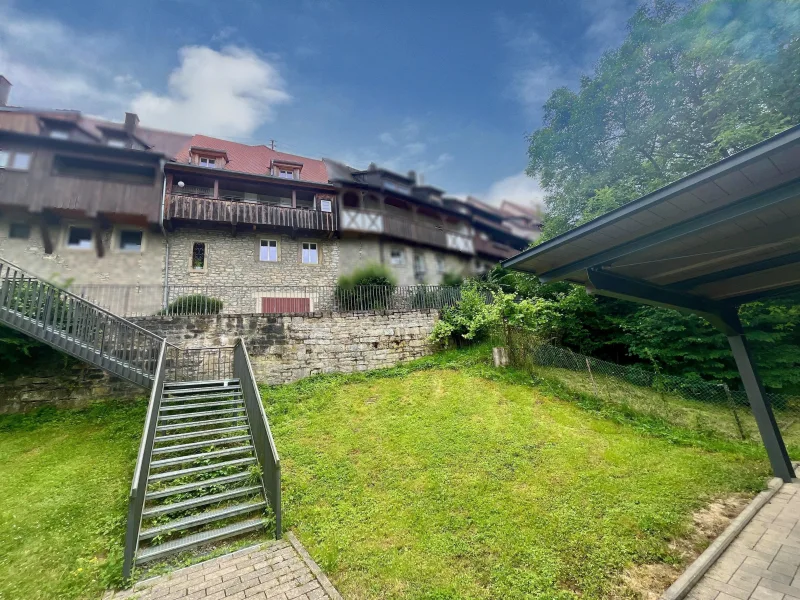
[[255, 160]]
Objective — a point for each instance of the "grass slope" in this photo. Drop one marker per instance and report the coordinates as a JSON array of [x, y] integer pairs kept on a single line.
[[64, 482], [466, 483]]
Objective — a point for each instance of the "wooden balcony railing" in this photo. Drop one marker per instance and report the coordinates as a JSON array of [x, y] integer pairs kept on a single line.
[[374, 221], [219, 210], [494, 249]]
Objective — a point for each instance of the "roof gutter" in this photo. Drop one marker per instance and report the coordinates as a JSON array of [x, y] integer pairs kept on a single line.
[[164, 233]]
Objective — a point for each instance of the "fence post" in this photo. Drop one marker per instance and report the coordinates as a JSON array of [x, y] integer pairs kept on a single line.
[[732, 404], [589, 368]]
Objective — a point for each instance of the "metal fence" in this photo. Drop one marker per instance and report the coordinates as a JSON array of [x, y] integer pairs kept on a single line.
[[199, 364], [147, 300], [699, 405]]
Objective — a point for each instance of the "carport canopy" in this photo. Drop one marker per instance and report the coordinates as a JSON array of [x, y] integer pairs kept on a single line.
[[719, 238]]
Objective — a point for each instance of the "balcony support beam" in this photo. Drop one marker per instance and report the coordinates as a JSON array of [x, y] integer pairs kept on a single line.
[[216, 188]]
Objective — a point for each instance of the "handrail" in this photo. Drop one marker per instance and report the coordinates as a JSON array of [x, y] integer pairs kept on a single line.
[[266, 451], [142, 469], [76, 326]]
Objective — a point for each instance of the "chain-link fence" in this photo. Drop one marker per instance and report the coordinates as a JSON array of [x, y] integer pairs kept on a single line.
[[695, 404]]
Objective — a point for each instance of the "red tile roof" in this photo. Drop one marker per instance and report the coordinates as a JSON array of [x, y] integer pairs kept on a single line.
[[255, 159]]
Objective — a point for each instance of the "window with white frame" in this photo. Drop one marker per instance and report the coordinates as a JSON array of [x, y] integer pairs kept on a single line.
[[397, 256], [419, 263], [310, 253], [116, 143], [5, 157], [130, 240], [79, 238], [210, 163], [268, 251], [59, 134], [11, 159], [285, 174]]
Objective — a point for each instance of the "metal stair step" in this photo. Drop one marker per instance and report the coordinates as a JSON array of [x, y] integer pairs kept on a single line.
[[201, 405], [197, 434], [167, 475], [175, 400], [177, 460], [180, 384], [201, 444], [217, 514], [221, 388], [165, 509], [197, 539], [197, 485], [210, 413], [193, 424]]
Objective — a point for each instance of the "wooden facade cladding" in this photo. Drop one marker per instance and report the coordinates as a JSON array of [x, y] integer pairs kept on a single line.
[[81, 179], [493, 249], [391, 225], [217, 210]]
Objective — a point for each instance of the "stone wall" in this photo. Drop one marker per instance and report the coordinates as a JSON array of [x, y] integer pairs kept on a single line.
[[285, 348], [74, 387]]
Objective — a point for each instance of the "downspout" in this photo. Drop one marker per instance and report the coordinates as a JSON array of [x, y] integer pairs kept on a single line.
[[164, 233]]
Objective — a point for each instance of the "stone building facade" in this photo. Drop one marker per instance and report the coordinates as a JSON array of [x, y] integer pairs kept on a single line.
[[21, 243], [402, 259]]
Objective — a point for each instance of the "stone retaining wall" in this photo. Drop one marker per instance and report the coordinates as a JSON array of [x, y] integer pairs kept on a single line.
[[285, 348]]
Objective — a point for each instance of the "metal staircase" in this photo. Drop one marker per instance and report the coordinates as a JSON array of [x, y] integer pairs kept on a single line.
[[207, 467]]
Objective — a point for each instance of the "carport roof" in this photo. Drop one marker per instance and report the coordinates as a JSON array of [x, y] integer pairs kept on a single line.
[[720, 237]]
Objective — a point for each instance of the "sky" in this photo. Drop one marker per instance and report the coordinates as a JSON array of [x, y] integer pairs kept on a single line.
[[448, 88]]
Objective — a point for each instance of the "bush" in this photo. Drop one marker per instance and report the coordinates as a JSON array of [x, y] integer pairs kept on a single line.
[[351, 293], [452, 279], [193, 304]]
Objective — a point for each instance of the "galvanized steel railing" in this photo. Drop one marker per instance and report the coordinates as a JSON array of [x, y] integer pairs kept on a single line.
[[259, 428], [199, 364], [142, 469], [173, 300], [74, 325]]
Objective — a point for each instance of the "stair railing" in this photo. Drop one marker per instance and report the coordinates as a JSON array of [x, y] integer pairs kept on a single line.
[[259, 428], [142, 469], [76, 326]]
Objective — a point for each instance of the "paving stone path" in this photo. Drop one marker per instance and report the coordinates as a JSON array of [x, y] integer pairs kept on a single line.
[[280, 570], [763, 562]]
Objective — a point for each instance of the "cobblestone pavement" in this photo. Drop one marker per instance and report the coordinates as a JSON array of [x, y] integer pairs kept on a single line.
[[763, 562], [280, 570]]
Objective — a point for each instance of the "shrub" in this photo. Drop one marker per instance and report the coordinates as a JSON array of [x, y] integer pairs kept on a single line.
[[352, 292], [452, 279], [193, 304]]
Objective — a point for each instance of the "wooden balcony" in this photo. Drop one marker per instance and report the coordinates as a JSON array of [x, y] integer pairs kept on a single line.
[[219, 210], [383, 223]]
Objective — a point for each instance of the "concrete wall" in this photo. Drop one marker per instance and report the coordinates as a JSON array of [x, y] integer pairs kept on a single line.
[[83, 266], [234, 260], [285, 348], [356, 252]]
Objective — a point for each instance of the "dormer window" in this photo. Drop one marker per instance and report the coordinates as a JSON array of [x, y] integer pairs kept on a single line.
[[210, 163], [59, 134], [285, 174]]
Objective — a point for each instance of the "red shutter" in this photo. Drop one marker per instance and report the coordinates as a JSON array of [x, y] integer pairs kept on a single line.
[[285, 305]]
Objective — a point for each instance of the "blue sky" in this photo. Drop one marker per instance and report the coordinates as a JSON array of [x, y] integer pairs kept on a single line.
[[448, 88]]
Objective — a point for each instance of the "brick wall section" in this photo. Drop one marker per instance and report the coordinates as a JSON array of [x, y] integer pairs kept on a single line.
[[285, 348], [76, 387]]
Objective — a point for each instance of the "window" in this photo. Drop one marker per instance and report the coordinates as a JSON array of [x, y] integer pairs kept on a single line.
[[310, 255], [397, 256], [87, 168], [419, 263], [21, 161], [130, 240], [19, 231], [325, 205], [116, 143], [440, 266], [211, 163], [268, 252], [198, 256], [59, 134], [284, 174], [79, 238]]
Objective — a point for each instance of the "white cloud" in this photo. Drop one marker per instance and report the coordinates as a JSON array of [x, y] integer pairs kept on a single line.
[[387, 138], [517, 188], [416, 147], [533, 86], [229, 93]]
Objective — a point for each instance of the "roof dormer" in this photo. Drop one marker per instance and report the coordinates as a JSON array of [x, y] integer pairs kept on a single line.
[[285, 169], [211, 158]]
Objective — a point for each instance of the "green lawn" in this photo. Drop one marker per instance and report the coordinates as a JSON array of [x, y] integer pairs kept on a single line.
[[444, 483], [439, 479], [64, 482]]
